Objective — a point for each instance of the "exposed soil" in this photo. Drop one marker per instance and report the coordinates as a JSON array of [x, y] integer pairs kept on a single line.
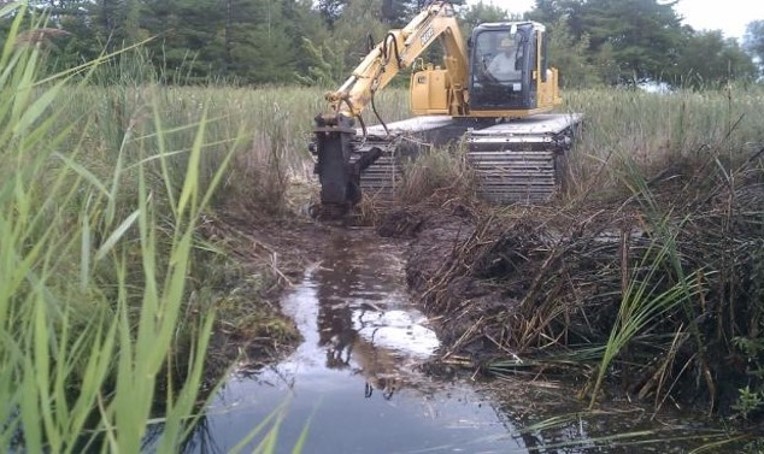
[[269, 254], [438, 233]]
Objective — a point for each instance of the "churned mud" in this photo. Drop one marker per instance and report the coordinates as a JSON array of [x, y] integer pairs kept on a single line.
[[268, 256]]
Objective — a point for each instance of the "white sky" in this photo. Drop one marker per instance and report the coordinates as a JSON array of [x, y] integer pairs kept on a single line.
[[730, 16]]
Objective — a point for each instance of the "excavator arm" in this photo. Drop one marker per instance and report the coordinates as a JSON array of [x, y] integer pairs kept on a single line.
[[335, 129], [399, 50]]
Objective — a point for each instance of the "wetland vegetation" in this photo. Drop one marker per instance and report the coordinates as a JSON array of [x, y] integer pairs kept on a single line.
[[147, 230]]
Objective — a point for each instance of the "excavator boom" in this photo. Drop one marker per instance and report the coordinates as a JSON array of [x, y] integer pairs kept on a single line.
[[334, 130], [398, 50]]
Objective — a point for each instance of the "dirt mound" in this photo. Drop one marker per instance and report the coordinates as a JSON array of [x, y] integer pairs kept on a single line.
[[401, 223]]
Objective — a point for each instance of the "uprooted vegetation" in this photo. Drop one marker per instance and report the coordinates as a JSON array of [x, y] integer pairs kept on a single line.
[[566, 289], [651, 282]]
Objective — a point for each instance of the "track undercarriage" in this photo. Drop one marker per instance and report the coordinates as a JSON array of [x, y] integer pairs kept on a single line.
[[520, 160]]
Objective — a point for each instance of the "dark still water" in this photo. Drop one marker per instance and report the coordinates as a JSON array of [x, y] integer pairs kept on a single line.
[[355, 383]]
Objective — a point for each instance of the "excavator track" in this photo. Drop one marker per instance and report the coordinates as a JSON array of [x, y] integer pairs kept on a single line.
[[382, 179], [521, 161], [523, 176]]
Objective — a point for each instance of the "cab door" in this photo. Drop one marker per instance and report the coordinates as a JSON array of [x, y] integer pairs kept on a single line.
[[501, 67]]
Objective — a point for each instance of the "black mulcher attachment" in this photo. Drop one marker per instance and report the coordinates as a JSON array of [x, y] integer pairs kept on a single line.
[[339, 176]]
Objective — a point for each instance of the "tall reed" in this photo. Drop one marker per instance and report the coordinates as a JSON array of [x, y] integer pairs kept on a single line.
[[659, 133], [98, 238]]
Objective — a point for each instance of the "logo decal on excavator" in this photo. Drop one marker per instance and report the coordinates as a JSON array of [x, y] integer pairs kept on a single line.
[[427, 35]]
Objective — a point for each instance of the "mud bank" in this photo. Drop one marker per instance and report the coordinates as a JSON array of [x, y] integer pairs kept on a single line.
[[549, 289], [264, 258], [492, 277]]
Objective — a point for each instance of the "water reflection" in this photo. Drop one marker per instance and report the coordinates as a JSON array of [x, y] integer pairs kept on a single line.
[[356, 375], [359, 294], [355, 381]]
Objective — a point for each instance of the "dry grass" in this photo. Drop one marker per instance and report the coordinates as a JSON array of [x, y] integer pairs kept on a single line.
[[670, 273], [439, 174]]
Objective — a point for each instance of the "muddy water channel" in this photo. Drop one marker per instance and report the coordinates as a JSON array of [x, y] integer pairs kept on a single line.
[[355, 381]]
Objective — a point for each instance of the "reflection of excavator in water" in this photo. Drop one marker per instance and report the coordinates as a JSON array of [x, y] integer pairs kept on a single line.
[[504, 76], [361, 327]]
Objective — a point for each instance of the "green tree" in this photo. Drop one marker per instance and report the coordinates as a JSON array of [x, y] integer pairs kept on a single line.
[[644, 35], [262, 51], [302, 23], [189, 43], [83, 43], [753, 42], [551, 12], [114, 22], [360, 21], [629, 41], [479, 13], [569, 54], [85, 28], [398, 13], [708, 59], [326, 67], [247, 41], [331, 10]]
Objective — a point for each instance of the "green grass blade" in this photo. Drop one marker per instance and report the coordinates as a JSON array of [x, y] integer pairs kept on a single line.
[[117, 234]]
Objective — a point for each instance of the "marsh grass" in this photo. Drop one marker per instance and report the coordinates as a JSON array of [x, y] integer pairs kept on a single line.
[[102, 191], [438, 174], [659, 134], [267, 130]]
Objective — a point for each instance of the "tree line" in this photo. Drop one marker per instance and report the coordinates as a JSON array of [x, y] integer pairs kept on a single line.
[[592, 42]]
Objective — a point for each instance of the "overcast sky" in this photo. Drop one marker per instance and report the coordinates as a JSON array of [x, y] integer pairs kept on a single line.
[[730, 16]]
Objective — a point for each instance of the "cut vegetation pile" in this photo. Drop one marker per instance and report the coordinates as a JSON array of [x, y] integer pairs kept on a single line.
[[664, 287], [653, 282]]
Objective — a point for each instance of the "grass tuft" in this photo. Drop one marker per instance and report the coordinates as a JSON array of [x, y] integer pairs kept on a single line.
[[438, 174]]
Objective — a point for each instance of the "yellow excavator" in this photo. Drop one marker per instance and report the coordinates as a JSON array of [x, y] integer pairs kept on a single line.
[[495, 92]]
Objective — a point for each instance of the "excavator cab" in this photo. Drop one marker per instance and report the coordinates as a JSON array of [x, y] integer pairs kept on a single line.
[[508, 69]]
